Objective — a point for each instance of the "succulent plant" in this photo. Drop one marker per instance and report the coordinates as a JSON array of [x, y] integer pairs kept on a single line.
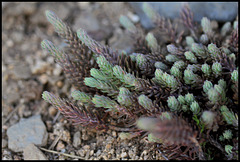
[[182, 91]]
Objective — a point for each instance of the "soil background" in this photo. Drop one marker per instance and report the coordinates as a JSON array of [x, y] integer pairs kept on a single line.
[[27, 71]]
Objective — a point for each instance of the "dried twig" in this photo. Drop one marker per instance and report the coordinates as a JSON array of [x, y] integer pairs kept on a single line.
[[55, 152], [161, 153], [56, 117], [55, 141]]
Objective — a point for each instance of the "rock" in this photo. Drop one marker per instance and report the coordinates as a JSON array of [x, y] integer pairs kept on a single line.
[[77, 139], [25, 132], [220, 11], [31, 152]]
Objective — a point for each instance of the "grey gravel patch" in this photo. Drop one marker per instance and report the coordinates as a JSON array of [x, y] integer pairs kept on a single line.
[[31, 152], [22, 71], [87, 21], [121, 41], [22, 8], [219, 11], [27, 131]]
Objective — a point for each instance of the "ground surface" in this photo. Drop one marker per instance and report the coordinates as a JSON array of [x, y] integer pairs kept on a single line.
[[27, 71]]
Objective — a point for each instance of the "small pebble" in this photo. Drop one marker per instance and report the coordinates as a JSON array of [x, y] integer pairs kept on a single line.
[[51, 136], [124, 154], [109, 156], [59, 84], [16, 157], [60, 146], [91, 153], [86, 147], [133, 17], [57, 70], [52, 111], [77, 139], [66, 136], [50, 60], [114, 133], [98, 153], [145, 157], [112, 151], [108, 146], [93, 146], [43, 78], [85, 137], [81, 152], [105, 157], [144, 152]]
